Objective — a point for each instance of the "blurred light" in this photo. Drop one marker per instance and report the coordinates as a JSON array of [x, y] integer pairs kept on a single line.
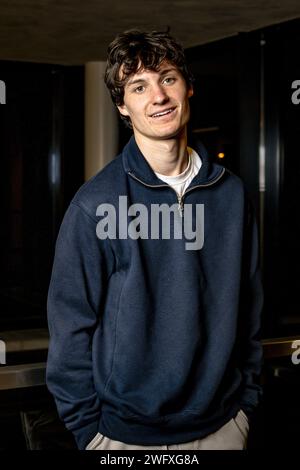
[[221, 155], [54, 174]]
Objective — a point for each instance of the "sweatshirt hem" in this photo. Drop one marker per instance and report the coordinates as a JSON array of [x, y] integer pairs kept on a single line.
[[85, 434], [182, 427]]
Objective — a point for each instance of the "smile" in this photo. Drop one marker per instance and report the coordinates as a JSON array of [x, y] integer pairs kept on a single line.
[[163, 113]]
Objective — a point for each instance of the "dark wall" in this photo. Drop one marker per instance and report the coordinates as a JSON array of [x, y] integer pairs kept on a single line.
[[41, 151]]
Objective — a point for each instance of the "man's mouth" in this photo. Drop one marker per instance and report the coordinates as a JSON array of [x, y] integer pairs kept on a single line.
[[163, 113]]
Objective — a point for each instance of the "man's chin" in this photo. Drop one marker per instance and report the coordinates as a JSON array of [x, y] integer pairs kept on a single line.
[[161, 134], [176, 133]]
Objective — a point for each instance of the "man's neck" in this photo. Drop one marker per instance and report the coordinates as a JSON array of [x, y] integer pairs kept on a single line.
[[167, 157]]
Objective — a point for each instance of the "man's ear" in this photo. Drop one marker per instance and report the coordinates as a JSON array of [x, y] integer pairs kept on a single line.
[[123, 110], [190, 91]]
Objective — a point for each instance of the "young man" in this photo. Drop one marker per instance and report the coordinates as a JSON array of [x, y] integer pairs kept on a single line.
[[155, 298]]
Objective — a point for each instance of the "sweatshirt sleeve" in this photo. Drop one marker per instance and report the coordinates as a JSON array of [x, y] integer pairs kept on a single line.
[[250, 349], [76, 291]]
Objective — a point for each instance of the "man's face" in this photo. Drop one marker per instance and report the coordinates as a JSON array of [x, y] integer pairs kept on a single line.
[[157, 102]]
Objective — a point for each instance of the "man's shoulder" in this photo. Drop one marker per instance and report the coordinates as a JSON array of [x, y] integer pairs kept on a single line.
[[238, 189], [234, 181], [103, 187]]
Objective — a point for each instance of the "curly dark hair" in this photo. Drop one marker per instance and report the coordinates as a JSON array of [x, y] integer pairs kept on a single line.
[[136, 50]]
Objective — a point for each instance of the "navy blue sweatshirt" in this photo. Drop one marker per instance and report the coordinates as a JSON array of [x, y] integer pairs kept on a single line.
[[152, 343]]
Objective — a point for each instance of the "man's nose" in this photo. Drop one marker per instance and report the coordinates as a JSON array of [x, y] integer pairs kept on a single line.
[[159, 94]]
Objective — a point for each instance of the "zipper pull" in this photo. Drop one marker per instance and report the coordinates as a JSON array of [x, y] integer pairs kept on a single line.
[[180, 205]]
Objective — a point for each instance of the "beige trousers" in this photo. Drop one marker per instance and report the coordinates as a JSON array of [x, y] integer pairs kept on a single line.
[[232, 436]]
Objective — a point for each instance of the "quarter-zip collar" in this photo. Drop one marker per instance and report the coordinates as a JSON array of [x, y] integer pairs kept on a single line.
[[137, 166]]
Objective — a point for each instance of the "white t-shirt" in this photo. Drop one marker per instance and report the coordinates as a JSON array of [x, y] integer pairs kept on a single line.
[[181, 182]]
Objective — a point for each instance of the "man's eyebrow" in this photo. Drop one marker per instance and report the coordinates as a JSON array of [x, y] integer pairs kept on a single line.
[[137, 80], [142, 80], [165, 71]]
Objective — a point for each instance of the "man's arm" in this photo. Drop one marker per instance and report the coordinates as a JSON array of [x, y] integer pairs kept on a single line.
[[75, 293], [250, 348]]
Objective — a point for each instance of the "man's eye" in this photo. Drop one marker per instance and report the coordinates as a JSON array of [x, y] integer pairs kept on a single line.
[[169, 80], [139, 89]]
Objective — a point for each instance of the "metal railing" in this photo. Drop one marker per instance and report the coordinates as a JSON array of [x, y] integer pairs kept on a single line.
[[34, 374]]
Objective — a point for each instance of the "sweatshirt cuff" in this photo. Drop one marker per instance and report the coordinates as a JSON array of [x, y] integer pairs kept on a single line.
[[85, 434]]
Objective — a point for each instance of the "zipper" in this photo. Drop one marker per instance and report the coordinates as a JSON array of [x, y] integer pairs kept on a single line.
[[180, 204], [179, 198]]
